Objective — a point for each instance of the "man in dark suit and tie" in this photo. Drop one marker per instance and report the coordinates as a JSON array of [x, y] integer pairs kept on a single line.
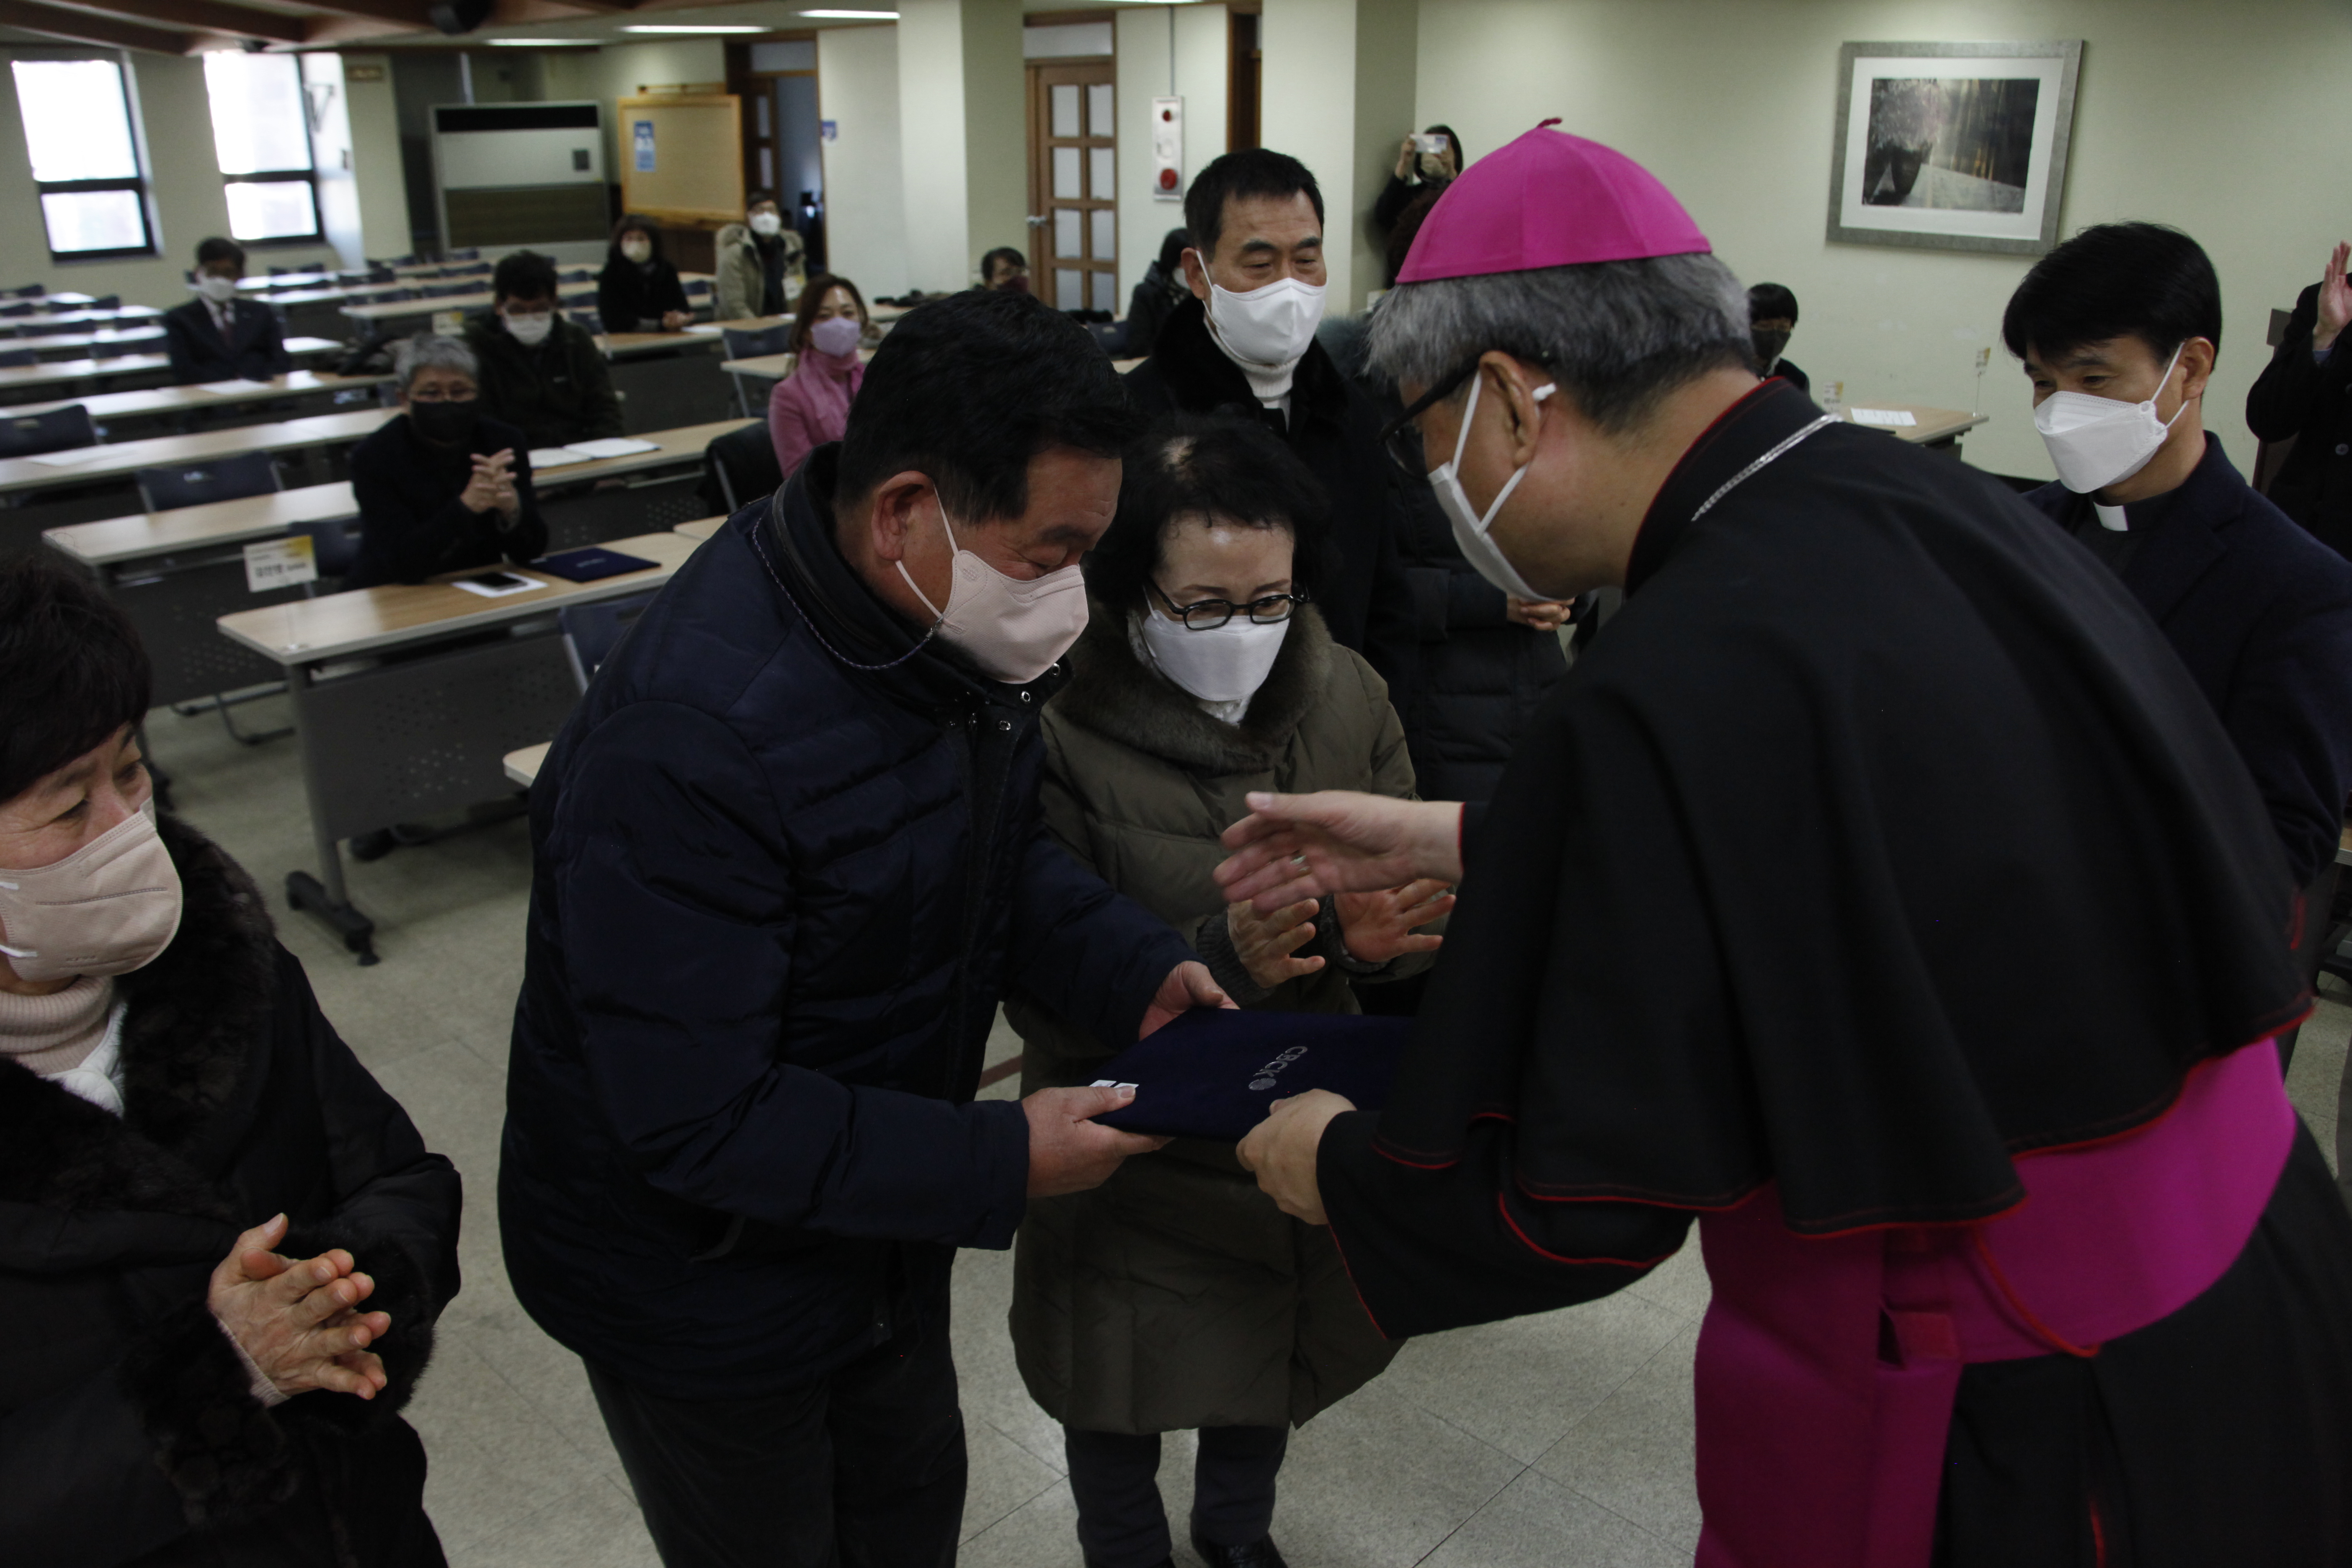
[[217, 336]]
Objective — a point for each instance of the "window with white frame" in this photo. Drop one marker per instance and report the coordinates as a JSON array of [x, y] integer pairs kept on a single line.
[[261, 132], [77, 117]]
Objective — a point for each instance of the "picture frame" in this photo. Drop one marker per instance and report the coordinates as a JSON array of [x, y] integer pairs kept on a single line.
[[1952, 146]]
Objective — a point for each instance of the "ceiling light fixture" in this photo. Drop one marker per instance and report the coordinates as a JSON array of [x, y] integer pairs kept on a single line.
[[541, 43], [681, 28], [852, 16]]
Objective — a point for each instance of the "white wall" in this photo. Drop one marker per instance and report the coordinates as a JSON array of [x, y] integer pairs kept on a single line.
[[374, 121], [2190, 112], [1145, 62], [864, 207], [1337, 81], [609, 75], [963, 127]]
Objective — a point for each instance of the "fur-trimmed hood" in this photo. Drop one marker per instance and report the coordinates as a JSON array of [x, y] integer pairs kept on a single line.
[[1113, 694]]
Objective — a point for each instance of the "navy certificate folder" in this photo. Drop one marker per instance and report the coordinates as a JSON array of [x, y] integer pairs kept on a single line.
[[589, 564], [1212, 1072]]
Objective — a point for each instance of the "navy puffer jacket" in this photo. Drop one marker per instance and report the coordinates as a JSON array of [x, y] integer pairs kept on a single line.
[[776, 901]]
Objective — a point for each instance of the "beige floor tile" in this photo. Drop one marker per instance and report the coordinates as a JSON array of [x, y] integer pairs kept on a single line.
[[1679, 1284], [1377, 1482], [495, 1460], [990, 1382], [1004, 1477], [1540, 1521], [597, 1527], [1041, 1534], [1633, 1454]]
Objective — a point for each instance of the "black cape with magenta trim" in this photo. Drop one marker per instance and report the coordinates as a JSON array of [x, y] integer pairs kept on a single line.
[[1880, 837]]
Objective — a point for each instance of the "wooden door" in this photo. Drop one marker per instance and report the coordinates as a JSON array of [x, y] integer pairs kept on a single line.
[[1073, 185]]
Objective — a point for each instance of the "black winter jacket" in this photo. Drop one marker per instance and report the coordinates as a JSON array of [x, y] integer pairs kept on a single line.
[[777, 899], [558, 391], [127, 1427], [633, 299], [2308, 401], [1334, 430], [411, 524]]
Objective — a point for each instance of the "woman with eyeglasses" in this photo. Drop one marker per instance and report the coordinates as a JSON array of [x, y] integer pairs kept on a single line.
[[1176, 1296], [446, 487]]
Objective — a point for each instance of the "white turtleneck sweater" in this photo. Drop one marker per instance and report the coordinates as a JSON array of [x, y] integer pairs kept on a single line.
[[71, 1037]]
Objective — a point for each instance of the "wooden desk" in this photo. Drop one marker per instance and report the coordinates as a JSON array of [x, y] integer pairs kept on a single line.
[[14, 326], [470, 679], [523, 766], [118, 542], [78, 345], [163, 404], [2343, 844], [24, 382], [480, 299], [1931, 427], [701, 527], [26, 476]]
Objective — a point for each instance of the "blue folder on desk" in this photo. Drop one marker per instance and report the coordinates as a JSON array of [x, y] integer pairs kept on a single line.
[[588, 565], [1212, 1072]]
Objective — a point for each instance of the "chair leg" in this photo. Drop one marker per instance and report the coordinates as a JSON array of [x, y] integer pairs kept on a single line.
[[259, 737]]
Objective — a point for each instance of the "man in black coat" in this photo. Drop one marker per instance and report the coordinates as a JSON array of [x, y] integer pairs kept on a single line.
[[789, 859], [1244, 344], [540, 371], [219, 336], [441, 487], [2304, 395]]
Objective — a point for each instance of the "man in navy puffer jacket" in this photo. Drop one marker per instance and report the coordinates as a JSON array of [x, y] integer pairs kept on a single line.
[[788, 860]]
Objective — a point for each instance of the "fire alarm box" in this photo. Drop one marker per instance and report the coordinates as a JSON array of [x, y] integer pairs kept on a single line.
[[1167, 149]]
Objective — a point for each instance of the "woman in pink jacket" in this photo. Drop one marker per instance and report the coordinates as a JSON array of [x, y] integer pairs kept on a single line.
[[811, 406]]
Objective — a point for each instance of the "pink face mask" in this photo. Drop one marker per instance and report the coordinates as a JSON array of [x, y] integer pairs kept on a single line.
[[1013, 630], [109, 908]]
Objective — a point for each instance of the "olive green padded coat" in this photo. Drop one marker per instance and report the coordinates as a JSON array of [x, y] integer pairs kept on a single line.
[[1176, 1295]]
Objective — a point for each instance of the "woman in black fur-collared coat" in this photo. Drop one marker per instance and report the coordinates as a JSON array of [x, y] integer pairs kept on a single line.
[[136, 1425]]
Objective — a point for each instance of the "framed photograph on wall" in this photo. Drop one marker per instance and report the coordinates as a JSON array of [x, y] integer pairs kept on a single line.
[[1952, 146]]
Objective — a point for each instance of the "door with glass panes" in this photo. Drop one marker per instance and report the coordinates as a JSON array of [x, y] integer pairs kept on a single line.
[[1073, 181]]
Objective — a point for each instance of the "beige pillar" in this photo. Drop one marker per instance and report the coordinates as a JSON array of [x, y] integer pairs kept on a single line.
[[1338, 93], [963, 135]]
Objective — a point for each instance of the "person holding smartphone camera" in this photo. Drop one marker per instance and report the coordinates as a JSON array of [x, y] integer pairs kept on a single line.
[[1427, 162]]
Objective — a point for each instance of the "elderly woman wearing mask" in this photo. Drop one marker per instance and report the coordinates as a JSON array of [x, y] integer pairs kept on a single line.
[[1176, 1296], [223, 1246], [444, 487]]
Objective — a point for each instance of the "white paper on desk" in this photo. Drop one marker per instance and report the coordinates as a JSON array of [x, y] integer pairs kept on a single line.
[[703, 330], [1884, 416], [610, 447], [521, 585], [67, 459], [554, 458]]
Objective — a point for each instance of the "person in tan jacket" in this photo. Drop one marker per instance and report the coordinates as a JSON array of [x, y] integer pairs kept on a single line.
[[1176, 1296], [759, 263]]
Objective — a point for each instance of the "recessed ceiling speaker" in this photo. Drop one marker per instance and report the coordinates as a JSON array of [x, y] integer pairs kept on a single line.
[[454, 16]]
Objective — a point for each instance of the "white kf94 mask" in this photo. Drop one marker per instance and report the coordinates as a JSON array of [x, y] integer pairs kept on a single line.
[[1013, 630], [2095, 442], [1469, 527]]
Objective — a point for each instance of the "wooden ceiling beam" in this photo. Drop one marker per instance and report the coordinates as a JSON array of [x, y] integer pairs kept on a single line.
[[413, 15], [196, 15], [81, 28]]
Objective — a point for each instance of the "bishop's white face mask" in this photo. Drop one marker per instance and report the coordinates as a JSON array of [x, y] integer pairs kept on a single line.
[[2095, 442], [1013, 630], [1269, 327], [1227, 665], [531, 330], [109, 908], [220, 290], [1469, 527]]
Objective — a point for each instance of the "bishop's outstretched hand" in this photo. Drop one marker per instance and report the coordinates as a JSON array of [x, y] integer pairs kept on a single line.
[[1294, 847]]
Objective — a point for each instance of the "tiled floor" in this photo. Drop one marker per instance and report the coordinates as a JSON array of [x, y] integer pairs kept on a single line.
[[1563, 1439]]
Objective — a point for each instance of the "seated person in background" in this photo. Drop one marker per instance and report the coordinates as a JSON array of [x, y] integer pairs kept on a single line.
[[1005, 269], [226, 1246], [2304, 395], [219, 336], [1155, 299], [1202, 675], [2119, 328], [1419, 177], [1771, 317], [811, 406], [761, 269], [444, 487], [638, 292], [538, 371]]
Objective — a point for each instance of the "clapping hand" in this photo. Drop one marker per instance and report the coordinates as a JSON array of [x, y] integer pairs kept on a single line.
[[1293, 847], [2335, 299], [1265, 944], [1378, 926], [298, 1320]]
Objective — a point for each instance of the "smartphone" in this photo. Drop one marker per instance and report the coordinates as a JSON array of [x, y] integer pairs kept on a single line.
[[1424, 142], [499, 580]]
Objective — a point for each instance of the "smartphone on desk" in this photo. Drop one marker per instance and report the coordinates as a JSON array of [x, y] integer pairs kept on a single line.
[[497, 582]]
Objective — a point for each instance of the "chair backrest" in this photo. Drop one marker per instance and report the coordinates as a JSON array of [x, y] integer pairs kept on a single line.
[[49, 329], [698, 286], [589, 320], [19, 310], [591, 632], [58, 430], [471, 253], [335, 545], [443, 290], [11, 358], [105, 302], [773, 339], [740, 467], [575, 275], [29, 292], [197, 484]]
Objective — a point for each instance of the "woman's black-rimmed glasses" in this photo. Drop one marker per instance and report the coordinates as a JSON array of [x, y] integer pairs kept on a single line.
[[1208, 614], [1401, 437]]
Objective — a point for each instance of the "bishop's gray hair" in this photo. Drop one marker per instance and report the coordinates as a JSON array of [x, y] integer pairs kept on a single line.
[[1617, 336], [425, 352]]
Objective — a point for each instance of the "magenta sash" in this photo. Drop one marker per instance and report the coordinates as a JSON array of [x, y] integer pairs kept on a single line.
[[1815, 1451]]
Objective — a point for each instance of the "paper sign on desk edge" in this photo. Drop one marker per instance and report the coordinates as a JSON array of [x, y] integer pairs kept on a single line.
[[280, 562], [67, 460], [1884, 416]]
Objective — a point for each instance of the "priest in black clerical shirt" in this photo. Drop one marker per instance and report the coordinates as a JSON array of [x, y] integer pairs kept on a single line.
[[2118, 328], [1879, 892]]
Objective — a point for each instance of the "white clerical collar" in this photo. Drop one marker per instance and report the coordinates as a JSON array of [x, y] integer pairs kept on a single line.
[[2111, 518]]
